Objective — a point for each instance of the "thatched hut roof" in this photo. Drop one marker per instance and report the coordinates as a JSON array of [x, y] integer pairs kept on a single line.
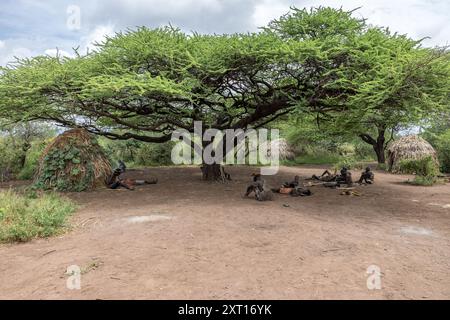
[[73, 161], [409, 148], [284, 149]]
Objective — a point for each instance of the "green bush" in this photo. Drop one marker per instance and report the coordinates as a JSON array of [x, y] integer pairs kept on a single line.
[[424, 180], [425, 167], [154, 154], [349, 162], [32, 160], [443, 149], [346, 149], [137, 153], [27, 216], [10, 159]]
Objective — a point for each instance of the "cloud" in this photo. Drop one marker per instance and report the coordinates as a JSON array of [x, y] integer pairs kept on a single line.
[[57, 53], [36, 26], [98, 35], [10, 51]]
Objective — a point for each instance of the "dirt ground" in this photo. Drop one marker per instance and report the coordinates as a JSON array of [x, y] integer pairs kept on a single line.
[[188, 239]]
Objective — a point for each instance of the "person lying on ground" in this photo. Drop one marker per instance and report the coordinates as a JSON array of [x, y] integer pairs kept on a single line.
[[114, 181], [335, 180], [295, 188]]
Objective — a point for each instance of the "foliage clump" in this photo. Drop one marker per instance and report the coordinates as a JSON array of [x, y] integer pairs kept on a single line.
[[27, 216], [74, 161], [426, 170]]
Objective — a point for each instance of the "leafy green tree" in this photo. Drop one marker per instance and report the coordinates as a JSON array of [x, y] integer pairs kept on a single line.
[[144, 84], [388, 83]]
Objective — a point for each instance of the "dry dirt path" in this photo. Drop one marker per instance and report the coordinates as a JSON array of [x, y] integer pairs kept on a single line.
[[197, 240]]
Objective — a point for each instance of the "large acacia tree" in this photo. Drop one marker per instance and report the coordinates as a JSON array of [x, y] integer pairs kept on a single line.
[[143, 84]]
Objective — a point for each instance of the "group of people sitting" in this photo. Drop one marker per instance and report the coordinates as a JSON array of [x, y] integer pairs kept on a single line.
[[345, 177], [296, 188]]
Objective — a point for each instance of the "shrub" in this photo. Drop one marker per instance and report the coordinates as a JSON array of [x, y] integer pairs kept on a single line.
[[348, 162], [32, 160], [10, 157], [443, 149], [424, 180], [26, 216], [346, 150], [154, 154], [425, 167]]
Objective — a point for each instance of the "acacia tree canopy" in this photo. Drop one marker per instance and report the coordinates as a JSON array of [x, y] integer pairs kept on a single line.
[[393, 82], [143, 84]]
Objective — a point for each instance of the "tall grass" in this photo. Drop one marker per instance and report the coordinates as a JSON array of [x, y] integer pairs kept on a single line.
[[27, 216]]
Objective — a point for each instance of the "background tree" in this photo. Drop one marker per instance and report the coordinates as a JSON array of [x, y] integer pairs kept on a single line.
[[388, 82]]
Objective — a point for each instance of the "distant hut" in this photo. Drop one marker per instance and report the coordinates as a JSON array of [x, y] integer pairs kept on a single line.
[[74, 161], [409, 148], [284, 149]]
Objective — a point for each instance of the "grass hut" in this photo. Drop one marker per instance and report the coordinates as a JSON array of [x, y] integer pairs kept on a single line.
[[409, 148], [73, 161]]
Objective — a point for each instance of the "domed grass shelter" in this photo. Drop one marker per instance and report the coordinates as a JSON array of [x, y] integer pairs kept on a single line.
[[409, 148], [73, 161]]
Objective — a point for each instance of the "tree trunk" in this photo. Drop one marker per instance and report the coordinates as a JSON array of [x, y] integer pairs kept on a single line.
[[378, 144], [23, 158], [211, 172], [379, 150]]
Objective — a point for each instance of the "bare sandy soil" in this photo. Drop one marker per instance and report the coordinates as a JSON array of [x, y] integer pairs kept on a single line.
[[187, 239]]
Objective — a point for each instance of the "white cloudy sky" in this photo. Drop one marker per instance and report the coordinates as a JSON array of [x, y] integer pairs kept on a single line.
[[33, 27]]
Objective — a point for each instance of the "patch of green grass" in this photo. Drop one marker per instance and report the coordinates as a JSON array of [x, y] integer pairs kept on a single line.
[[27, 216], [312, 159]]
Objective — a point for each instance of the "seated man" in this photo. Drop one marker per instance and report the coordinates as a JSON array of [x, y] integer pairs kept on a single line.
[[367, 176], [115, 182], [345, 177], [293, 184], [258, 186]]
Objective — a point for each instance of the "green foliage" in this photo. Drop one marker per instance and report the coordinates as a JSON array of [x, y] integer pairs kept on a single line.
[[53, 175], [154, 154], [443, 149], [136, 153], [20, 147], [439, 137], [425, 166], [73, 162], [9, 159], [349, 163], [315, 158], [325, 64], [424, 180], [27, 216], [347, 150], [32, 160]]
